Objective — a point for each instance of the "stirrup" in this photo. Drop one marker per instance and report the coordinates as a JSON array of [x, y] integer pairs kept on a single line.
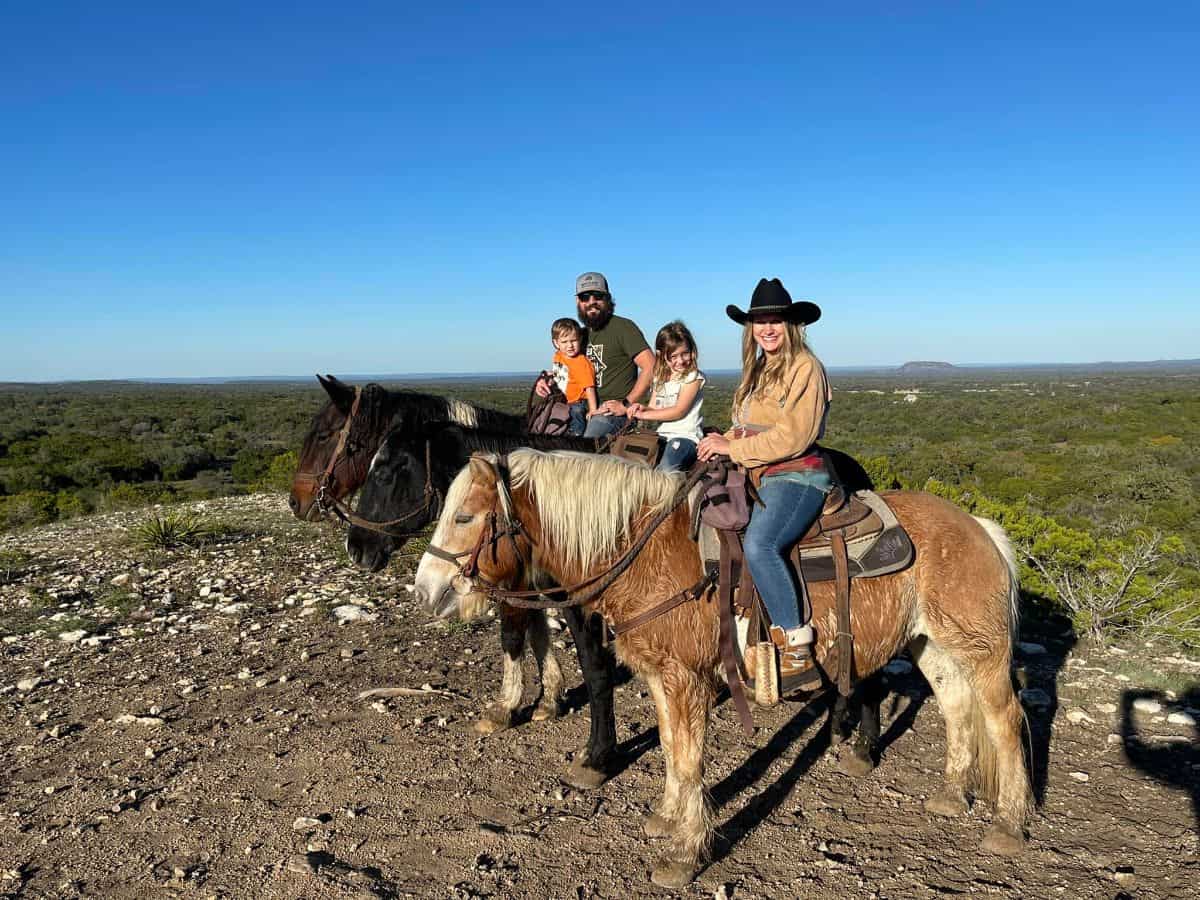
[[807, 680]]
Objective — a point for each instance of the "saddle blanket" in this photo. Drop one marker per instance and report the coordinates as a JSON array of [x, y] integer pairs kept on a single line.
[[876, 545]]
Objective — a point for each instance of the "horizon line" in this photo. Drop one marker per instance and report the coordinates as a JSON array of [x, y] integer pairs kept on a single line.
[[939, 366]]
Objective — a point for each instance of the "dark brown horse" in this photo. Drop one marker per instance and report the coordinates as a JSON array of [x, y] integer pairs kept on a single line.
[[955, 609], [355, 420]]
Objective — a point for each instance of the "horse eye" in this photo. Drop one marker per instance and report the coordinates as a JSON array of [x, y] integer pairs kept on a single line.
[[462, 519]]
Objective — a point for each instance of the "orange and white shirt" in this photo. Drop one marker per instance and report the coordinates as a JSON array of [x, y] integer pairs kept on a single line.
[[573, 375]]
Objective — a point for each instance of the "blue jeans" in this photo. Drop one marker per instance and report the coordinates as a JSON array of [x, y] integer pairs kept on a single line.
[[578, 420], [792, 503], [603, 426], [678, 455]]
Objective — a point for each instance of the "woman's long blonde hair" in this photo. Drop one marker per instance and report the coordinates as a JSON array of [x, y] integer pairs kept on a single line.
[[760, 371]]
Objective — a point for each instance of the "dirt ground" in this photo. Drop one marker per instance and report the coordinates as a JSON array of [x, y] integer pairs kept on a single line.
[[195, 729]]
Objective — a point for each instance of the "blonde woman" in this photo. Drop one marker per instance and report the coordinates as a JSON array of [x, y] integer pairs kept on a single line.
[[779, 411]]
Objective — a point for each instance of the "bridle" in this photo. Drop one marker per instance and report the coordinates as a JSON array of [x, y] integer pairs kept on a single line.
[[507, 526], [431, 503], [323, 498], [327, 502]]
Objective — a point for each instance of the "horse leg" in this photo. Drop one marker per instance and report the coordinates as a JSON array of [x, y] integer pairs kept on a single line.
[[688, 700], [548, 669], [953, 693], [661, 821], [1001, 761], [860, 760], [498, 715], [591, 767]]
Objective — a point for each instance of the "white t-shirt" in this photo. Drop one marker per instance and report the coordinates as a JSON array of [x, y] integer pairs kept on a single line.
[[690, 424]]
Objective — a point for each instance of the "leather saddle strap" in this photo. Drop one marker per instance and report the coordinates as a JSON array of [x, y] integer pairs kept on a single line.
[[695, 592], [845, 639], [729, 542]]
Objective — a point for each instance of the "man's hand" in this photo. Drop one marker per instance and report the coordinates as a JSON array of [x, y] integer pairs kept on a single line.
[[541, 387], [634, 410], [613, 408], [712, 445]]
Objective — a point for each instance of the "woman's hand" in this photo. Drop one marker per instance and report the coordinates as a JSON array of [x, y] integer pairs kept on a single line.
[[713, 445], [635, 410]]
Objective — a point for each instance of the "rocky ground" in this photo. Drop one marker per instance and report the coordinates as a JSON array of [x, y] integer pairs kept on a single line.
[[192, 722]]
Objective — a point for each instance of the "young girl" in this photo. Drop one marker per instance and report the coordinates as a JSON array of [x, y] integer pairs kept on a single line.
[[676, 398]]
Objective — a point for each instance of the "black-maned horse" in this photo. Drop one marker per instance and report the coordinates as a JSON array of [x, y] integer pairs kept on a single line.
[[397, 484], [358, 419]]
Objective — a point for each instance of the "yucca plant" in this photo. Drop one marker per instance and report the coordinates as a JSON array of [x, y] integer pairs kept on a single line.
[[170, 530]]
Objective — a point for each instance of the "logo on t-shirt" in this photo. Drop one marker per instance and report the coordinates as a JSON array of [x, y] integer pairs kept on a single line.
[[595, 352], [561, 375]]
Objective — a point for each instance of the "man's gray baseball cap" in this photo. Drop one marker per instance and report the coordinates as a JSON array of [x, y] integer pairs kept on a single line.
[[591, 281]]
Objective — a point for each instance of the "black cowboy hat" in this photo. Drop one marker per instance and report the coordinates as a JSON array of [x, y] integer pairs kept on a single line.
[[772, 297]]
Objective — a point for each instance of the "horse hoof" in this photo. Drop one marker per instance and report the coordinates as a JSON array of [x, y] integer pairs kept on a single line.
[[671, 873], [657, 826], [494, 718], [544, 712], [584, 777], [856, 765], [1002, 841], [948, 802]]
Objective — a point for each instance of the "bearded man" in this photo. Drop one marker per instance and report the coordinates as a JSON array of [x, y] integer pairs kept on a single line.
[[618, 351]]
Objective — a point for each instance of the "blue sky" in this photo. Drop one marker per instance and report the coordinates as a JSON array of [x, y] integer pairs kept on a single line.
[[247, 189]]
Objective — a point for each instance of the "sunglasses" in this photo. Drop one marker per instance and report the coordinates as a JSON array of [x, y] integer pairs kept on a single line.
[[592, 295]]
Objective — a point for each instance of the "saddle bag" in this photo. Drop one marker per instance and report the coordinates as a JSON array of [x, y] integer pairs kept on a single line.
[[641, 447], [550, 414], [725, 497]]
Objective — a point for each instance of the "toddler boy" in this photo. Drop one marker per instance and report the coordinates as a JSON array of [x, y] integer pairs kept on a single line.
[[573, 372]]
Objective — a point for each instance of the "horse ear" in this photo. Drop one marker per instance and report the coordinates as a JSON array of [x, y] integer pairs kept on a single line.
[[341, 394]]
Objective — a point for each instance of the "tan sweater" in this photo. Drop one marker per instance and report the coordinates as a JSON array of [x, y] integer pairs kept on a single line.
[[793, 413]]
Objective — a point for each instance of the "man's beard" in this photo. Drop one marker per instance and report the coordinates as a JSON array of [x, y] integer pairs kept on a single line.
[[596, 319]]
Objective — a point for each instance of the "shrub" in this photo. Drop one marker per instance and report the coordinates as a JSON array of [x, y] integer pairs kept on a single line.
[[280, 472], [28, 508], [170, 530]]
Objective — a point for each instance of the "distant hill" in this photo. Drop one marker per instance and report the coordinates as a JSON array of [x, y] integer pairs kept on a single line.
[[924, 367]]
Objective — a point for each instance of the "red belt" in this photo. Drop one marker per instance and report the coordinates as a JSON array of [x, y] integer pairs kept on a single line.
[[807, 463]]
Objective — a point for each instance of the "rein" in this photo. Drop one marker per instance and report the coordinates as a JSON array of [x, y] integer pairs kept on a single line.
[[431, 502], [595, 584]]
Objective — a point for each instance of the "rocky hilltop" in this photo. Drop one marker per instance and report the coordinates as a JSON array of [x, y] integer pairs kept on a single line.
[[206, 720], [925, 367]]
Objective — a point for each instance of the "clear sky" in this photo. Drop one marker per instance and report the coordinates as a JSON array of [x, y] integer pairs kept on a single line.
[[285, 188]]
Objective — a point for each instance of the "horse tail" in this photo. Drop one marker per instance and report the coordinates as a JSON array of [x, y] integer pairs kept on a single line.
[[1003, 544], [987, 760]]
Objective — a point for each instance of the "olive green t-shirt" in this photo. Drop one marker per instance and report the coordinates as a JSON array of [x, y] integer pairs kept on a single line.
[[611, 350]]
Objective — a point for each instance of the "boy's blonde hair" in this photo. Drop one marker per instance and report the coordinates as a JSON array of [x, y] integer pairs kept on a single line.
[[565, 328], [672, 337]]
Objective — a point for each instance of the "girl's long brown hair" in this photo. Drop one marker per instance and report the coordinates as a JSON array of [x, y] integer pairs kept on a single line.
[[759, 371], [670, 338]]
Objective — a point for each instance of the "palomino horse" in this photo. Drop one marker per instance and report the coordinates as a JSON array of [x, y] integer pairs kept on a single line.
[[335, 458], [955, 609], [410, 467]]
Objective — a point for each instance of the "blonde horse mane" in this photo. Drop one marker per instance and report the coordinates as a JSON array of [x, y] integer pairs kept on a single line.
[[586, 504]]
